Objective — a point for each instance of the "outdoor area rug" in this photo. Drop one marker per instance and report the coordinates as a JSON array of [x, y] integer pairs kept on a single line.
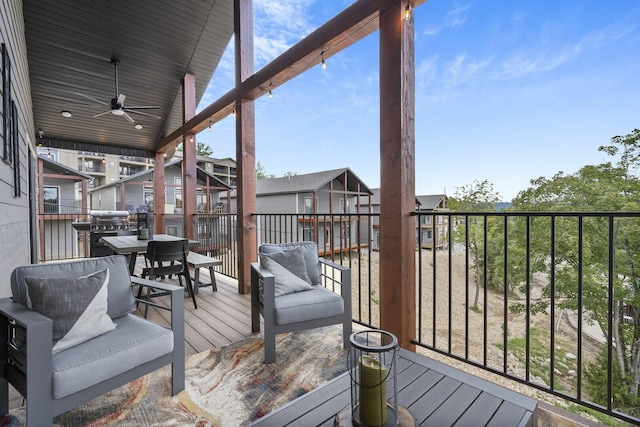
[[229, 386]]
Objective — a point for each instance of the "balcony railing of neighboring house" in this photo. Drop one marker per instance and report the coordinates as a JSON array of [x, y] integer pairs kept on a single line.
[[58, 239]]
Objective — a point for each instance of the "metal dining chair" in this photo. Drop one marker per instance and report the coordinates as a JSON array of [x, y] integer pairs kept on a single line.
[[167, 259]]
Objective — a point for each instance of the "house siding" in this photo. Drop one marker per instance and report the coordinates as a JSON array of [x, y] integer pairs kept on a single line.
[[16, 221], [104, 199]]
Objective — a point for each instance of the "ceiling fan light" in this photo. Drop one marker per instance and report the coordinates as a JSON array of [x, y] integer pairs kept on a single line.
[[118, 112], [66, 114]]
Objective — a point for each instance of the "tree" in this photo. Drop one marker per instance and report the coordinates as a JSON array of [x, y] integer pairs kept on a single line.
[[203, 149], [261, 172], [477, 197], [596, 188]]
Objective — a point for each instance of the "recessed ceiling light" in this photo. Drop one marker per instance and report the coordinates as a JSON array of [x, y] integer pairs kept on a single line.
[[66, 114], [138, 126]]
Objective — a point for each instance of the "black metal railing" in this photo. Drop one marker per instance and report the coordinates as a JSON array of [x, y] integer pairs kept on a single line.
[[549, 300], [539, 298], [546, 299], [217, 234]]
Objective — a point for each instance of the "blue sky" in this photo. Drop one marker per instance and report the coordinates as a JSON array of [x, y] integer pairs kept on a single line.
[[506, 91]]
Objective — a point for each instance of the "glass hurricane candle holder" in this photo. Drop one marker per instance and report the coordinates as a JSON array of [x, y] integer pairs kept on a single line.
[[372, 367]]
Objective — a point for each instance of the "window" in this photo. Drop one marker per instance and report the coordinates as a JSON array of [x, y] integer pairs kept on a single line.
[[51, 200], [307, 234], [148, 198], [342, 208], [308, 205], [201, 203]]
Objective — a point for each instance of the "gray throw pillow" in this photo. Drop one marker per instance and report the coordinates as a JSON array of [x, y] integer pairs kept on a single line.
[[289, 271], [77, 306]]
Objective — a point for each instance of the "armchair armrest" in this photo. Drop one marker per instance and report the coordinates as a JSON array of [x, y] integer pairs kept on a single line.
[[176, 294], [345, 275], [262, 293], [35, 351]]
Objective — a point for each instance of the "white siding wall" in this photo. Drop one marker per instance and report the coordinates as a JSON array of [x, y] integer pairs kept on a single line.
[[15, 218]]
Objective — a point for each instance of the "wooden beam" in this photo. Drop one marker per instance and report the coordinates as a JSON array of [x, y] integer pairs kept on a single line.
[[189, 166], [397, 175], [158, 193], [245, 145], [345, 29]]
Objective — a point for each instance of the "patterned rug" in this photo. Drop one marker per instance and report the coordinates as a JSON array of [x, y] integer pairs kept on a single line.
[[230, 386]]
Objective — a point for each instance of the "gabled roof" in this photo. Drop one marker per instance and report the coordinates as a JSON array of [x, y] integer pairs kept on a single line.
[[61, 169], [374, 200], [310, 182], [201, 174], [430, 202]]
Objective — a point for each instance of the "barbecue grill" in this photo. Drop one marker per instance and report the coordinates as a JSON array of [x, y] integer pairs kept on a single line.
[[105, 223]]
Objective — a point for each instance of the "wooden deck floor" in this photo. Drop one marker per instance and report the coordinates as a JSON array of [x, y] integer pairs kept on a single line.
[[223, 317]]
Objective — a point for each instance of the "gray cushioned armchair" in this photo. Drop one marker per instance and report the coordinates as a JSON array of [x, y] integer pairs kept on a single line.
[[56, 383], [328, 302]]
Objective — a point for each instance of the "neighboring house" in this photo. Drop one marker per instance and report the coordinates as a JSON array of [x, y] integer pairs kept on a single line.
[[370, 230], [317, 201], [59, 208], [431, 225], [223, 169], [135, 194]]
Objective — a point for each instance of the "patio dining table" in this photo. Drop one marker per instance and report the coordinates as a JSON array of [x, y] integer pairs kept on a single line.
[[131, 245]]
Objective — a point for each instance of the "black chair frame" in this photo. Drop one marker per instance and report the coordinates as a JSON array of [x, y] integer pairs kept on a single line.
[[167, 259]]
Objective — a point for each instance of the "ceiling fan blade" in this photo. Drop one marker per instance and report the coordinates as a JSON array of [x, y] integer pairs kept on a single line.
[[128, 117], [102, 114], [121, 99], [91, 98], [144, 107], [143, 114]]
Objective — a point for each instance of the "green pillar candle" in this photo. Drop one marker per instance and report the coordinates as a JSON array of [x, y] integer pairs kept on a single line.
[[373, 391]]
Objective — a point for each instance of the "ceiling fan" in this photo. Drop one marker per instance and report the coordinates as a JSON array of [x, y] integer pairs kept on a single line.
[[117, 107]]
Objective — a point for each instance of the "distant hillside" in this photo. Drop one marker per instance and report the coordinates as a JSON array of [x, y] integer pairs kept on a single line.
[[502, 205]]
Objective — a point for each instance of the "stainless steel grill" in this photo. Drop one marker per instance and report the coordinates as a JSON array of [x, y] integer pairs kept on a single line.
[[109, 220], [105, 223]]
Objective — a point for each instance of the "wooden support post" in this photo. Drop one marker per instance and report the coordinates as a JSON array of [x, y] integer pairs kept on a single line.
[[189, 174], [123, 198], [397, 176], [158, 193], [245, 145], [41, 209]]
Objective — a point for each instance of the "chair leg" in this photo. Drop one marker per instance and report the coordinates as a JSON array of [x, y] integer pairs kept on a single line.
[[189, 287], [146, 306], [214, 285], [269, 344]]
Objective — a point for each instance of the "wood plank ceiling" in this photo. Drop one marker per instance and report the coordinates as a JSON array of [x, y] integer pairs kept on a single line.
[[70, 46]]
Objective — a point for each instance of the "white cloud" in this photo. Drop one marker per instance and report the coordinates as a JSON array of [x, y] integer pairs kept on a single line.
[[456, 17], [278, 25]]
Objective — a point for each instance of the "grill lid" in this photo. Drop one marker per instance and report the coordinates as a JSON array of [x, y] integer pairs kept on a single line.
[[109, 214]]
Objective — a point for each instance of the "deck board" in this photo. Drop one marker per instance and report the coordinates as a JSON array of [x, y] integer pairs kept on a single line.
[[434, 393]]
